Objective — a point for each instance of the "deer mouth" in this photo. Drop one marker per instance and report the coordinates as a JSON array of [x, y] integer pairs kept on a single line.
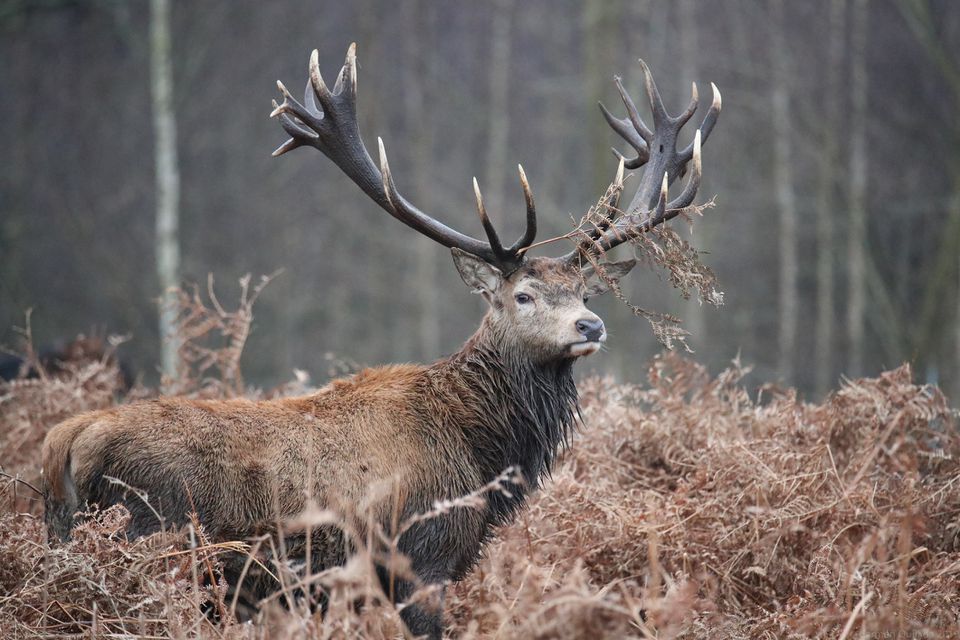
[[585, 348]]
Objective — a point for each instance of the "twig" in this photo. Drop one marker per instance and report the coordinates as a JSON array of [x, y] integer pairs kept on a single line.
[[21, 481], [853, 615]]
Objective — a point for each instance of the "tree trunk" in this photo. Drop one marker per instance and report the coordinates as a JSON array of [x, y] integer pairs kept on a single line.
[[924, 22], [857, 224], [368, 318], [826, 201], [498, 125], [418, 50], [600, 48], [785, 197], [694, 310], [167, 178], [601, 59]]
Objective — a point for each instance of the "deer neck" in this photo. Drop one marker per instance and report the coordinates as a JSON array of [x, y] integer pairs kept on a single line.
[[519, 412]]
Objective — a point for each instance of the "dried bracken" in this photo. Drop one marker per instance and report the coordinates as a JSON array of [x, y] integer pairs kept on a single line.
[[720, 515], [662, 250], [83, 380], [210, 339], [688, 507]]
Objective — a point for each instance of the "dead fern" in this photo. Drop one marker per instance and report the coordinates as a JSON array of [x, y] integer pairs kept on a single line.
[[689, 507], [661, 249], [210, 340]]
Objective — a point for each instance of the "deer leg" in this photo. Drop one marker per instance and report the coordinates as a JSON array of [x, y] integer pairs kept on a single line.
[[423, 619]]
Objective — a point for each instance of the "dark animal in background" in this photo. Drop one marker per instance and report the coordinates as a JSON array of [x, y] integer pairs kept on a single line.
[[426, 432], [61, 361]]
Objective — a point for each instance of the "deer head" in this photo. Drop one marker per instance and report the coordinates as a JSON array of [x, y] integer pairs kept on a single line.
[[536, 303]]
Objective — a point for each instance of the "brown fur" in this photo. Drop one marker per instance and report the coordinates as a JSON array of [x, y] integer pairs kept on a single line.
[[394, 439]]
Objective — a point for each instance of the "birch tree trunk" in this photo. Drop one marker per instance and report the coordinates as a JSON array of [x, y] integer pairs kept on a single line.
[[167, 178], [418, 52], [600, 22], [785, 197], [857, 222], [599, 43], [923, 21], [826, 201], [694, 311], [498, 127]]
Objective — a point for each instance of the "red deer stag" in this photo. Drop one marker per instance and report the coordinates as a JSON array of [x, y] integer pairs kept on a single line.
[[431, 432]]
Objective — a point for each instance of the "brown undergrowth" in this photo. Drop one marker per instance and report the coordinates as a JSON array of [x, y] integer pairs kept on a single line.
[[687, 507]]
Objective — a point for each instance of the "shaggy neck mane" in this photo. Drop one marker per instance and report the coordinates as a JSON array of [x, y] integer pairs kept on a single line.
[[518, 412]]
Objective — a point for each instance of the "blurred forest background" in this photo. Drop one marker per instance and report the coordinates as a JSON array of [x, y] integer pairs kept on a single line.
[[835, 165]]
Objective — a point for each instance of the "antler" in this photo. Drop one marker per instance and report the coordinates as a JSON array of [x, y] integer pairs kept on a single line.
[[328, 122], [657, 150]]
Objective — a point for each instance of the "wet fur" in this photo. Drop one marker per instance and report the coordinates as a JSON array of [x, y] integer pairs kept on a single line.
[[429, 432]]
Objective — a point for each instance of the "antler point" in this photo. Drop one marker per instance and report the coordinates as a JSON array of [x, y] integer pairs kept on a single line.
[[384, 167], [289, 145], [696, 151], [717, 99]]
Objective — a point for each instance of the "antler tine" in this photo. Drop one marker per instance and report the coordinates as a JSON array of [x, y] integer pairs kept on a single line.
[[530, 233], [386, 178], [289, 145], [290, 107], [691, 108], [706, 126], [293, 127], [629, 132], [485, 221], [316, 83], [685, 199], [299, 133], [277, 110], [660, 114], [348, 73], [298, 121], [611, 206], [614, 203], [660, 212], [632, 113]]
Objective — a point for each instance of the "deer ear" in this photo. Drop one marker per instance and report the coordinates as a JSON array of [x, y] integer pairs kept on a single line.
[[479, 275], [599, 283]]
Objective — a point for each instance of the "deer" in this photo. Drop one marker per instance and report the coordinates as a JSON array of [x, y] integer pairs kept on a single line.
[[507, 399]]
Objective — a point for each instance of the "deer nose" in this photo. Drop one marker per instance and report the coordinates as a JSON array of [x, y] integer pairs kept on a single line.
[[591, 329]]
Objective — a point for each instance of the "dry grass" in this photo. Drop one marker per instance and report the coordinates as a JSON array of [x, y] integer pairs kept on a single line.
[[687, 508]]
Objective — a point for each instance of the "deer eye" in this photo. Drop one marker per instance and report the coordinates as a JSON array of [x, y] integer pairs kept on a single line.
[[585, 298], [523, 298]]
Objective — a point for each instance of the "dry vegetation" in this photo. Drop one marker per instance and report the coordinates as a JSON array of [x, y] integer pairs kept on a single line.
[[688, 507]]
